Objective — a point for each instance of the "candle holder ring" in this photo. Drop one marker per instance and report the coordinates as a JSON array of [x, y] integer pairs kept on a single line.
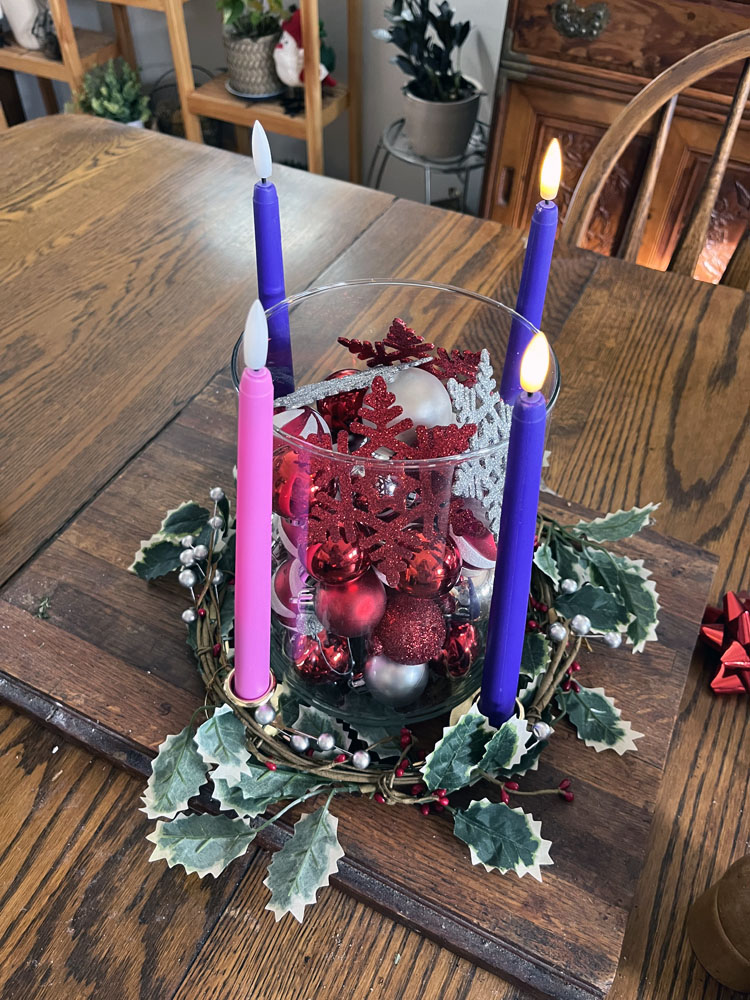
[[235, 699]]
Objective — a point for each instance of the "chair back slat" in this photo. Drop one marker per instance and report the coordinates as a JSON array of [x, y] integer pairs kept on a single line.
[[631, 241], [737, 273], [693, 238]]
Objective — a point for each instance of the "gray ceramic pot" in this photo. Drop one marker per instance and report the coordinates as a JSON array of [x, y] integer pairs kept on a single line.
[[250, 63], [440, 130]]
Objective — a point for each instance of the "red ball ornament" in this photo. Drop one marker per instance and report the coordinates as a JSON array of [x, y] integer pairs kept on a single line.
[[301, 422], [432, 570], [335, 560], [459, 652], [321, 658], [339, 411], [294, 491], [288, 581], [412, 630], [353, 608]]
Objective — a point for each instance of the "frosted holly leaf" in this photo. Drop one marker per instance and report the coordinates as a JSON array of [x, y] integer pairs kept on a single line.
[[507, 746], [313, 722], [502, 838], [631, 581], [203, 844], [603, 608], [304, 864], [222, 740], [535, 655], [177, 773], [156, 557], [187, 519], [571, 564], [545, 561], [255, 788], [454, 763], [597, 720], [620, 524], [529, 761]]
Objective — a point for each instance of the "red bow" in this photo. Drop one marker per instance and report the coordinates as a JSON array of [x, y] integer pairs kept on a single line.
[[729, 631]]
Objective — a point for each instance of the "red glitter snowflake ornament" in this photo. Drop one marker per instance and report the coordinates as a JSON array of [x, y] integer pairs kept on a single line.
[[378, 421], [400, 345]]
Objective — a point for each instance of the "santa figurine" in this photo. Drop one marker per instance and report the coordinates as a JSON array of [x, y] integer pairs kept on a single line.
[[289, 55]]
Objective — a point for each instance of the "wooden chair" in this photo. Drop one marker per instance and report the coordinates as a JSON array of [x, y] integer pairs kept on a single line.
[[661, 95]]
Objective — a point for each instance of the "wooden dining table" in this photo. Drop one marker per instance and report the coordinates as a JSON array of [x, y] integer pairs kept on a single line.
[[127, 266]]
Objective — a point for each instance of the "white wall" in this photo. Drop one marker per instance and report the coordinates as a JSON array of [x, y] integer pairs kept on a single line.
[[381, 97]]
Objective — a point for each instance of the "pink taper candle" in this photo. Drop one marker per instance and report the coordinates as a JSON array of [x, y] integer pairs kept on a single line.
[[252, 585]]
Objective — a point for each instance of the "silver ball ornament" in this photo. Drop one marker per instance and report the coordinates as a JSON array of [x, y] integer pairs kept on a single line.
[[265, 714], [613, 639], [187, 558], [557, 632], [216, 493], [300, 743], [361, 760], [200, 551], [189, 615], [187, 578], [217, 578], [569, 586], [187, 541], [423, 398], [326, 742], [580, 624], [541, 730], [473, 595], [216, 522], [394, 683]]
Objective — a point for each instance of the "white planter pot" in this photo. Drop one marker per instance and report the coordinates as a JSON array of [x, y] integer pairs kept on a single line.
[[136, 124], [21, 15], [440, 130], [252, 71]]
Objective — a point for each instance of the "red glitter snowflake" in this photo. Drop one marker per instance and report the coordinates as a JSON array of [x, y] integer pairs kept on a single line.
[[463, 366], [380, 410], [400, 345]]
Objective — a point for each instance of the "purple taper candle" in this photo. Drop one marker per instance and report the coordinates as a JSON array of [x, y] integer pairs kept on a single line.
[[515, 543], [269, 262], [535, 274]]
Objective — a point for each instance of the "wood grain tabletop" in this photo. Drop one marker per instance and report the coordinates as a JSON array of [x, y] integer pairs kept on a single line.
[[127, 266]]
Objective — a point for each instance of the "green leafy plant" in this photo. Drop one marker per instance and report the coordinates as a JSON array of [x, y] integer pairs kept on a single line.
[[252, 18], [430, 44], [113, 91]]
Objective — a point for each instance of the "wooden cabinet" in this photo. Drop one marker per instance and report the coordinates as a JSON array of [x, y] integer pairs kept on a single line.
[[566, 70]]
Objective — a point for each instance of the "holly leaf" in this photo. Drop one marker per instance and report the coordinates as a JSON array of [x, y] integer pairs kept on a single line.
[[203, 844], [529, 761], [544, 561], [254, 788], [572, 564], [535, 655], [507, 746], [502, 838], [389, 747], [313, 722], [177, 773], [630, 580], [304, 864], [226, 611], [222, 740], [455, 760], [597, 720], [156, 557], [602, 608], [620, 524], [187, 519]]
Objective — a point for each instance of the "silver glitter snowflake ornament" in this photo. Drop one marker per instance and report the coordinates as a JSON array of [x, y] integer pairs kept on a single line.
[[483, 478], [308, 395]]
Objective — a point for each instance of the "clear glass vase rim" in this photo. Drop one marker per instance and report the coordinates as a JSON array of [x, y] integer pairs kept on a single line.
[[366, 460]]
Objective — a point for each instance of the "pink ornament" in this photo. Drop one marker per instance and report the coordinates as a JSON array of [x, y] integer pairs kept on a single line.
[[335, 560], [301, 422], [412, 630], [288, 582], [353, 608]]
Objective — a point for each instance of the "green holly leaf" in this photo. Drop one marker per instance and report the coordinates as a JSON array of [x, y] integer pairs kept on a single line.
[[227, 612], [455, 760], [544, 561], [597, 720], [222, 740], [313, 722], [620, 524], [535, 655], [630, 581], [156, 557], [223, 506], [203, 844], [502, 838], [602, 608], [507, 746], [177, 773], [227, 558], [529, 761], [389, 747], [571, 564], [187, 519], [254, 788], [304, 864]]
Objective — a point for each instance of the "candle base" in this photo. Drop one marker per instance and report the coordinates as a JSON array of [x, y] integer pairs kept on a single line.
[[244, 702]]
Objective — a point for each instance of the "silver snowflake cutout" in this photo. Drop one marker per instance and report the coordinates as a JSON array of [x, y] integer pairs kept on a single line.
[[483, 478]]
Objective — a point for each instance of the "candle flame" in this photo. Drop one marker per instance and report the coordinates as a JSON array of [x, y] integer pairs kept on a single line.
[[255, 337], [534, 363], [261, 152], [549, 180]]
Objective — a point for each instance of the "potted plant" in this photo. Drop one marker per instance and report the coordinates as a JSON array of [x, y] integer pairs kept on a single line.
[[251, 30], [440, 104], [113, 90]]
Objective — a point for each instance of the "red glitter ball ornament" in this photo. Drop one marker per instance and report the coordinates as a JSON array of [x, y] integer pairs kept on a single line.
[[412, 630], [335, 560], [339, 411], [320, 658], [353, 608], [459, 652], [432, 569]]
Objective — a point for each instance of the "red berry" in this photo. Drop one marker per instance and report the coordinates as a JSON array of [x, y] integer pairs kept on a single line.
[[568, 796], [424, 809], [543, 608], [440, 792], [201, 612], [504, 797], [379, 798], [405, 742], [564, 784], [531, 625], [575, 665], [438, 807], [512, 786], [567, 684], [309, 752], [217, 649], [405, 763], [444, 800], [399, 772], [576, 686], [270, 765], [339, 758], [405, 733], [417, 789]]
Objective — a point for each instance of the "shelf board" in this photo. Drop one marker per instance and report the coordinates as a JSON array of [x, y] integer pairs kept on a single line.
[[213, 100], [94, 46], [145, 4]]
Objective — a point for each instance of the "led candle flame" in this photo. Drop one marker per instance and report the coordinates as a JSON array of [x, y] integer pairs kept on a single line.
[[255, 337], [261, 153], [534, 363], [549, 180]]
